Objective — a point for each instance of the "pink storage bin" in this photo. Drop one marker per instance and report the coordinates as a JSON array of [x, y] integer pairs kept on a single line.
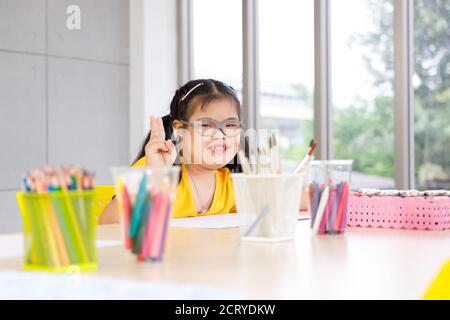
[[422, 213]]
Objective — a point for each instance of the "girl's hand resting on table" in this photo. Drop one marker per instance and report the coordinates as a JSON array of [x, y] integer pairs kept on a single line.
[[158, 151]]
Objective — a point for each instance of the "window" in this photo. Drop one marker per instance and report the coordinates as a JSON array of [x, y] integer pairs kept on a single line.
[[362, 89], [217, 41], [362, 79], [286, 56], [432, 94]]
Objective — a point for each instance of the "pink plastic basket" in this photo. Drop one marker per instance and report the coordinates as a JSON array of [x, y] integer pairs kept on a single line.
[[422, 213]]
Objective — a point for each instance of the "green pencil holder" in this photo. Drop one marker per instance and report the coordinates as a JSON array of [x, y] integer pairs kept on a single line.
[[59, 230]]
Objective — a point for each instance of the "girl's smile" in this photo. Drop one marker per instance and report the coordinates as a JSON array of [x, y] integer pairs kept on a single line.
[[218, 147]]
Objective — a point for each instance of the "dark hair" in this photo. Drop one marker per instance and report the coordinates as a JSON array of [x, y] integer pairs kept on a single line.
[[202, 92]]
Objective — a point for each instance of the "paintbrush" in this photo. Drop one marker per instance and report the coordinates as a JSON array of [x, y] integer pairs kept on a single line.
[[309, 153], [274, 154]]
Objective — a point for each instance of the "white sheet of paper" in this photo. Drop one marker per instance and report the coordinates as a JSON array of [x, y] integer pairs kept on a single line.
[[219, 221], [36, 285]]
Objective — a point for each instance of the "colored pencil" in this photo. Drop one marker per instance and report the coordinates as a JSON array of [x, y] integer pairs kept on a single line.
[[80, 248], [341, 208], [334, 208], [138, 207], [127, 215], [160, 222], [165, 227], [321, 209]]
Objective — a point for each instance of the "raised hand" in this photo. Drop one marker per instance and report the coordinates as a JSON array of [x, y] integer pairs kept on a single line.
[[158, 151]]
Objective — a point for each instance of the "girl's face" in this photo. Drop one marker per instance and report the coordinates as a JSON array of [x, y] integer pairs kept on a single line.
[[217, 150]]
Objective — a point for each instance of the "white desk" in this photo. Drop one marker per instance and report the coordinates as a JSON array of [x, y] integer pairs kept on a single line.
[[364, 263]]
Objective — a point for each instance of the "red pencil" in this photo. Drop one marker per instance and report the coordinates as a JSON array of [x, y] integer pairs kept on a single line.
[[344, 214], [341, 208], [160, 223], [165, 227], [150, 231]]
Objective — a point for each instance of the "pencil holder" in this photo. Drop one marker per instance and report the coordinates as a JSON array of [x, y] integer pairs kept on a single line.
[[329, 183], [145, 197], [59, 230], [268, 205]]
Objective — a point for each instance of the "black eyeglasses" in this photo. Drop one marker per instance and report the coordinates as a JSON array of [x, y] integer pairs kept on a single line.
[[208, 127]]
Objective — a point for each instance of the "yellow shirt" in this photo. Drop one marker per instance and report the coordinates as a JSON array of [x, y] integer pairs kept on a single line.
[[184, 206]]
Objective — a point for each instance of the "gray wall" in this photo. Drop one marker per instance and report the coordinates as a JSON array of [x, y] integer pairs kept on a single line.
[[63, 93]]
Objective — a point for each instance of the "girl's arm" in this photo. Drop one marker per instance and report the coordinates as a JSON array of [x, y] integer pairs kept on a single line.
[[110, 213]]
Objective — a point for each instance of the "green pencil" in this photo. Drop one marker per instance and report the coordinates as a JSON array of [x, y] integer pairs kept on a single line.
[[61, 215], [39, 232], [142, 224], [35, 231]]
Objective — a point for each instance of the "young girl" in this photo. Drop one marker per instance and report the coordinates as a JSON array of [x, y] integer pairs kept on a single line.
[[205, 123]]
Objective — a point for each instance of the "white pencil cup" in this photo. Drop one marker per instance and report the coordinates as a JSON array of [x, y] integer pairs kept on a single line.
[[268, 205]]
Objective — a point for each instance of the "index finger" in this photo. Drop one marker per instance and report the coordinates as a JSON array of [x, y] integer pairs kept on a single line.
[[157, 128]]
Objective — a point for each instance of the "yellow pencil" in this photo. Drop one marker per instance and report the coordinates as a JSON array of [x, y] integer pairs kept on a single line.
[[31, 241], [42, 199], [52, 246], [79, 243], [59, 237]]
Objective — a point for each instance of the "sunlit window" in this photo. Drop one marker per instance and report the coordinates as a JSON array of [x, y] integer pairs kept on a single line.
[[362, 89], [286, 53], [217, 41], [432, 93]]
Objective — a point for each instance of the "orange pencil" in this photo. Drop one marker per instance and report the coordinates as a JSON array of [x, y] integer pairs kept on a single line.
[[126, 216]]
